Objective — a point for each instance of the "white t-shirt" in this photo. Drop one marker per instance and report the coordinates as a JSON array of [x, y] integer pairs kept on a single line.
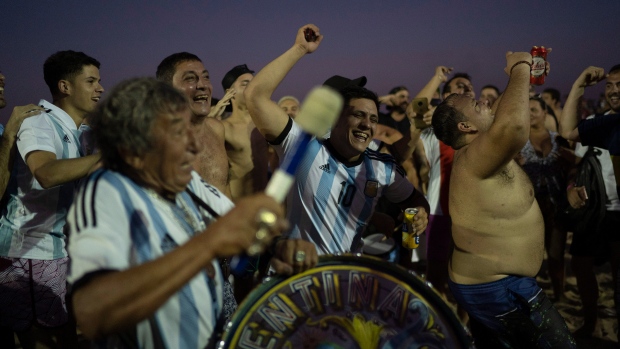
[[33, 222]]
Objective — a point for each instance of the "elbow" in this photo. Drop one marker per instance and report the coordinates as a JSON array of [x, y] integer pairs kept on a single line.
[[88, 319], [45, 181]]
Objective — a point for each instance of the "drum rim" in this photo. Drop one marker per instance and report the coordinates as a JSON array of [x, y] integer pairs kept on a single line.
[[408, 277]]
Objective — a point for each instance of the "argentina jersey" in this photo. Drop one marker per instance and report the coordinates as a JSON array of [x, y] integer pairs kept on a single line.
[[32, 223], [331, 202], [116, 225]]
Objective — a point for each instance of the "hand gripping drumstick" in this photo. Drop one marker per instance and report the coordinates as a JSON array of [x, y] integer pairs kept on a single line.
[[317, 115]]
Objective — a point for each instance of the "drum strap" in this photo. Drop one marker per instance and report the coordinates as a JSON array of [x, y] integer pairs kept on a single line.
[[198, 201], [221, 321]]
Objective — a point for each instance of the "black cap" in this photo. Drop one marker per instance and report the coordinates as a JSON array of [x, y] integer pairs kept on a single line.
[[233, 74], [339, 82]]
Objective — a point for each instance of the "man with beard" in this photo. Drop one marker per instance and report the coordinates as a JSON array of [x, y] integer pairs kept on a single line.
[[50, 164], [604, 130], [186, 72], [604, 241], [396, 103], [340, 180]]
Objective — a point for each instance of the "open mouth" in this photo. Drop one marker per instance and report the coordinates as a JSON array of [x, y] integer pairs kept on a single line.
[[360, 136], [201, 99]]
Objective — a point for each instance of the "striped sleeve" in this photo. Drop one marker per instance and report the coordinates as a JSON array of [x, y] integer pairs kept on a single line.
[[99, 227]]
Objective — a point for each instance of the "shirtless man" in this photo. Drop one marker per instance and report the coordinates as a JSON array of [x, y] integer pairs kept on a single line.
[[246, 148], [497, 226], [186, 72]]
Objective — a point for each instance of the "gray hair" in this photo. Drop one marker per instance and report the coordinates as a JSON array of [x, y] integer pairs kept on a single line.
[[124, 120], [286, 98]]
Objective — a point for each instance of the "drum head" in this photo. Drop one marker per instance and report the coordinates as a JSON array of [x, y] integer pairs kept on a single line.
[[346, 301]]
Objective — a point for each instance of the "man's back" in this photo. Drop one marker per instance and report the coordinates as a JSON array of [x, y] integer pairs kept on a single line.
[[494, 235]]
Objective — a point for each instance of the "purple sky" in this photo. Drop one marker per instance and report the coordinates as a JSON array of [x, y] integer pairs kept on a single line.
[[391, 42]]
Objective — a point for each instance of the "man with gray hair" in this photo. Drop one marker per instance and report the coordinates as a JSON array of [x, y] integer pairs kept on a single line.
[[146, 230], [290, 105]]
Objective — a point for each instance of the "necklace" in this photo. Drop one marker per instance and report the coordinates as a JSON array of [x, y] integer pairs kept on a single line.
[[180, 211]]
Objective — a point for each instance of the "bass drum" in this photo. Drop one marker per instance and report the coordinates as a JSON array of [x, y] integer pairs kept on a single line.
[[346, 301]]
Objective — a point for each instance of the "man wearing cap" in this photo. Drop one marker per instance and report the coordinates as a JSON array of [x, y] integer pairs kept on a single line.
[[246, 148], [339, 181]]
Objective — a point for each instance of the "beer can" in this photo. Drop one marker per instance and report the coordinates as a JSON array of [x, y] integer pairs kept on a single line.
[[410, 239], [539, 58]]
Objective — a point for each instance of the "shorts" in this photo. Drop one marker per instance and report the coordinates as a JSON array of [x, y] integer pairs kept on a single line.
[[33, 292], [439, 238], [512, 312], [597, 243]]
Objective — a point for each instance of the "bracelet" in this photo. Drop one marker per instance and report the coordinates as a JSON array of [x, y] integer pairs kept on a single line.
[[520, 62]]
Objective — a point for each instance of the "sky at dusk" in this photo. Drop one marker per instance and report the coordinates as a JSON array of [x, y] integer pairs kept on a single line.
[[390, 42]]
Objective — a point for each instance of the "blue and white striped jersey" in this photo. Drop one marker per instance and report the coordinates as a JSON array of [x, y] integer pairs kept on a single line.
[[116, 224], [331, 201], [32, 223]]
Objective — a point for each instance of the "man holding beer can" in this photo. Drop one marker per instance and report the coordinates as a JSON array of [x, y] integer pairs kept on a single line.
[[497, 226]]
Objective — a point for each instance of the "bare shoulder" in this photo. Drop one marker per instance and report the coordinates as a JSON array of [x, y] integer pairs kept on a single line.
[[216, 126]]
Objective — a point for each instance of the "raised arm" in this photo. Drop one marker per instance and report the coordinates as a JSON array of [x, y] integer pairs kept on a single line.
[[268, 117], [510, 128], [7, 142], [569, 119], [441, 76]]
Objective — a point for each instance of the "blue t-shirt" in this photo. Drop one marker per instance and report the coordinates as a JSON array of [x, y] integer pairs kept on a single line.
[[1, 130], [601, 131]]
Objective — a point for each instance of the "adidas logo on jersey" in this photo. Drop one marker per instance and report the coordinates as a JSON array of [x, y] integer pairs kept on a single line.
[[325, 168], [66, 139]]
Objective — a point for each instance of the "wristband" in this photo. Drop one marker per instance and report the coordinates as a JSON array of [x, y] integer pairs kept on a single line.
[[570, 186], [520, 62]]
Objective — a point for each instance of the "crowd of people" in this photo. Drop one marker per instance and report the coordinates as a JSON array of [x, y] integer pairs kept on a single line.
[[122, 210]]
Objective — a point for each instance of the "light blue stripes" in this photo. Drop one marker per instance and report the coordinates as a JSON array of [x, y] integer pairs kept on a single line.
[[320, 204]]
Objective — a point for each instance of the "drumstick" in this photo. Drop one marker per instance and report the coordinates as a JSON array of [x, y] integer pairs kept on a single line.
[[317, 115]]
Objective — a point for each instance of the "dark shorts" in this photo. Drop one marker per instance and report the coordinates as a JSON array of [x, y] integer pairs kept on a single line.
[[513, 312], [439, 238], [33, 292], [597, 243]]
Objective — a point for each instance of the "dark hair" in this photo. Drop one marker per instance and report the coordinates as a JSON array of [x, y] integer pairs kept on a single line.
[[353, 92], [445, 123], [125, 118], [446, 86], [397, 89], [555, 94], [542, 103], [167, 67], [491, 87], [614, 69], [65, 65]]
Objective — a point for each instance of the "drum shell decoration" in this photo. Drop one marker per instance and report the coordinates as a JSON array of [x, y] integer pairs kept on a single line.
[[346, 301]]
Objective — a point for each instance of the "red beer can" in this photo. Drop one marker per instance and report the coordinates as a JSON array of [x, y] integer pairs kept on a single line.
[[539, 57]]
